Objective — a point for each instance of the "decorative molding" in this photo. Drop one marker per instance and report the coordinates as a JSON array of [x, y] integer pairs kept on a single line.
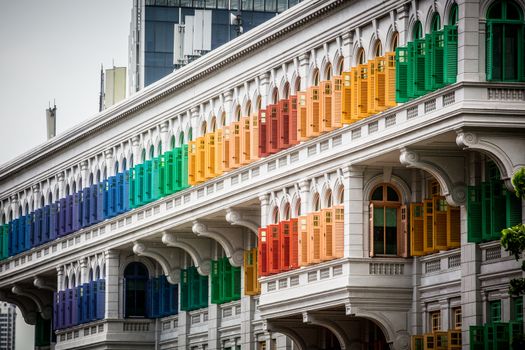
[[197, 248], [164, 256], [235, 217]]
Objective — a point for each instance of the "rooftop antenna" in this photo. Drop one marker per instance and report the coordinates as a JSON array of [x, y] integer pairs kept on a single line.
[[51, 120], [101, 96]]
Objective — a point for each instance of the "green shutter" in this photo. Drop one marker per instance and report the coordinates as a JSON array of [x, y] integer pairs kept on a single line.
[[438, 54], [148, 181], [177, 169], [236, 274], [203, 295], [215, 283], [184, 290], [517, 303], [477, 335], [489, 336], [401, 74], [139, 184], [515, 330], [429, 62], [497, 203], [501, 336], [485, 211], [132, 189], [411, 50], [195, 289], [450, 68], [488, 51], [495, 311], [513, 212], [474, 214], [419, 68], [492, 171], [227, 285], [169, 168]]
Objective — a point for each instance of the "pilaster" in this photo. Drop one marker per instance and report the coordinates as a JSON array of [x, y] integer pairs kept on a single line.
[[354, 212], [304, 194], [264, 80], [471, 42], [304, 64], [112, 284], [265, 201]]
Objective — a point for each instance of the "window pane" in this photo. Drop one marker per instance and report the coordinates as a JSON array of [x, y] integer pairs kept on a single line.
[[391, 195], [222, 4], [210, 4], [495, 311], [495, 11], [282, 5], [271, 6], [391, 217], [247, 5], [258, 5], [379, 238], [511, 52], [378, 194], [185, 3], [497, 48], [391, 230], [513, 12]]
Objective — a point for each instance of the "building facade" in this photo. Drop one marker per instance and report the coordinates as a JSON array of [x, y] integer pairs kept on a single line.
[[7, 326], [335, 178], [156, 27]]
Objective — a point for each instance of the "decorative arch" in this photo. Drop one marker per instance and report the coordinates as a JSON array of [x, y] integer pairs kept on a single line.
[[325, 72], [398, 182]]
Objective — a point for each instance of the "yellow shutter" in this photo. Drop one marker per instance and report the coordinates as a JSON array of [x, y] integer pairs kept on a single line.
[[235, 145], [380, 85], [416, 229], [192, 155], [210, 155], [354, 93], [362, 83], [428, 223], [390, 79], [226, 149], [439, 227], [453, 227], [337, 95], [371, 84], [314, 232], [200, 160], [304, 241], [339, 231], [218, 151], [312, 112], [346, 99], [302, 121], [254, 137]]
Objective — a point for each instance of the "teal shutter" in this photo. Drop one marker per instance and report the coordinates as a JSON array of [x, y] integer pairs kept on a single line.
[[474, 215], [215, 283], [411, 50], [513, 212], [184, 290], [203, 295], [419, 68], [450, 53], [485, 211], [194, 288], [438, 58], [489, 51], [497, 203], [148, 181], [429, 62], [132, 188], [401, 74]]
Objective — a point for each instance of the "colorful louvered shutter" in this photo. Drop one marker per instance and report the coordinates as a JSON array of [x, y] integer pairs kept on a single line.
[[411, 72], [419, 67], [346, 98], [440, 209], [294, 243], [450, 68], [263, 142], [235, 145], [371, 229], [262, 249], [245, 141], [254, 137], [293, 121], [251, 285], [218, 151], [402, 236], [226, 148], [371, 85], [401, 81], [497, 214], [209, 164], [337, 101], [284, 124], [200, 160], [390, 79], [316, 239], [325, 106], [312, 112], [438, 60], [363, 81], [327, 233], [474, 214], [284, 254], [273, 129], [215, 282], [339, 231], [192, 160], [274, 250], [304, 241], [302, 120], [416, 229], [428, 223], [379, 86], [453, 227], [429, 63]]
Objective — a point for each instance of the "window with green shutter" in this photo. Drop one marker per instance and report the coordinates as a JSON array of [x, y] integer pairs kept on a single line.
[[454, 15], [494, 311], [504, 42], [474, 214], [517, 314], [401, 74], [450, 53]]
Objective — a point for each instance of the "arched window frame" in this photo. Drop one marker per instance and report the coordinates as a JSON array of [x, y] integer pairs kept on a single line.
[[136, 277], [380, 232], [418, 31], [497, 62]]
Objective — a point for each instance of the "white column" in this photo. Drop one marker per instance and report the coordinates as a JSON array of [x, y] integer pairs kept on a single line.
[[354, 205], [471, 42], [401, 24], [304, 64], [264, 80], [164, 127], [227, 100], [61, 186], [347, 50], [108, 161], [60, 277], [265, 201], [445, 314], [182, 329], [84, 271], [36, 197], [136, 151], [112, 284], [304, 194], [84, 174]]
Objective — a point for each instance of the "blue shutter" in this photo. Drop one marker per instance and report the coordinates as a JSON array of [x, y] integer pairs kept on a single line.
[[46, 224], [119, 196], [86, 207], [53, 221], [101, 299], [125, 191]]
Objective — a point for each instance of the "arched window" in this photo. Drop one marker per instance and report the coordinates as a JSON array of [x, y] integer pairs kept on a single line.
[[316, 202], [340, 66], [275, 215], [73, 282], [223, 119], [74, 187], [287, 212], [259, 102], [3, 219], [105, 173], [395, 41], [90, 179], [360, 56], [136, 278], [67, 190], [97, 273], [151, 152], [204, 128], [275, 96], [286, 91], [172, 142], [418, 31], [131, 161], [340, 197], [297, 84], [249, 108], [143, 155], [237, 113], [505, 44], [124, 165], [50, 198], [98, 176], [159, 148], [181, 138], [328, 198], [91, 274], [43, 201], [454, 15], [116, 167], [27, 209], [378, 49], [213, 124], [328, 72], [298, 207], [315, 77], [19, 211], [385, 216], [190, 134], [435, 25], [66, 282]]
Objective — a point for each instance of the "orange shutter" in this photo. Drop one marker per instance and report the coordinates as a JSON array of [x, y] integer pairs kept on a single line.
[[346, 99], [354, 95], [294, 243], [192, 155], [312, 112], [210, 156], [262, 249], [251, 283], [327, 232], [274, 249], [316, 239], [339, 231], [254, 137], [402, 235], [245, 140], [439, 227], [453, 227], [235, 145], [304, 241], [362, 83], [293, 121], [200, 160], [337, 100], [428, 222], [371, 96], [218, 151], [226, 157], [390, 79], [325, 106], [301, 116], [416, 229], [380, 85], [284, 254]]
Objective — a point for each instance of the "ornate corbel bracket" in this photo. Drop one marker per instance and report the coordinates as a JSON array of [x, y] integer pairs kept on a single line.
[[164, 256], [231, 243], [197, 248]]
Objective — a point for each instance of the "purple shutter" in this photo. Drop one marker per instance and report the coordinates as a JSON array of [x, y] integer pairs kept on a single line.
[[101, 298]]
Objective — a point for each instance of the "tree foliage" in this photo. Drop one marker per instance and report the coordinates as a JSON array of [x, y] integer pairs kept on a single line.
[[513, 238]]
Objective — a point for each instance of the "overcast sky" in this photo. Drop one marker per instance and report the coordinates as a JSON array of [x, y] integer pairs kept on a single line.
[[52, 50]]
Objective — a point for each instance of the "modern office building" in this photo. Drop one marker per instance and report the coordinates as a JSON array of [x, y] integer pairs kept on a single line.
[[335, 178], [7, 326], [161, 28]]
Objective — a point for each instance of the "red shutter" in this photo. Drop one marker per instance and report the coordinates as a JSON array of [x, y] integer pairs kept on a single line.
[[274, 248], [284, 124], [293, 121], [262, 249], [284, 231], [263, 151], [294, 243], [273, 129]]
